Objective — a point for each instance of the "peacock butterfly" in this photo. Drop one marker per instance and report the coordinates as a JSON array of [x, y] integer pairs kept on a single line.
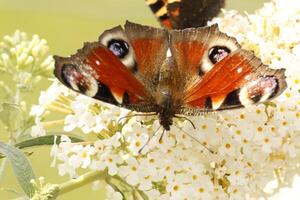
[[180, 14], [169, 72]]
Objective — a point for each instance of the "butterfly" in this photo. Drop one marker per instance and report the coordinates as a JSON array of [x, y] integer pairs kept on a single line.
[[169, 73], [180, 14]]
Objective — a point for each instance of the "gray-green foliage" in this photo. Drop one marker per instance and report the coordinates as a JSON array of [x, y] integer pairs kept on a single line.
[[24, 61], [21, 167]]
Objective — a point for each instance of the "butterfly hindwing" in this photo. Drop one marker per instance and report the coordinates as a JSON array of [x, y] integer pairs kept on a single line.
[[180, 14]]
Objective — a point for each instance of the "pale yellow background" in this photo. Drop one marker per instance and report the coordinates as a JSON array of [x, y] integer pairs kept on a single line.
[[66, 24]]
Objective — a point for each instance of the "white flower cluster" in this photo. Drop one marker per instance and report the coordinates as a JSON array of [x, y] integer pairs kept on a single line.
[[25, 59], [230, 155]]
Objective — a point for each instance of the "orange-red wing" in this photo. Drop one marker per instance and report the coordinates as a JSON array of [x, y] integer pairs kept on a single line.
[[150, 48], [188, 55], [226, 76], [112, 73], [146, 50], [95, 71]]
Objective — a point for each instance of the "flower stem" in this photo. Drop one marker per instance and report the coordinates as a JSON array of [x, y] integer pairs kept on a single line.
[[81, 181], [2, 169], [141, 193]]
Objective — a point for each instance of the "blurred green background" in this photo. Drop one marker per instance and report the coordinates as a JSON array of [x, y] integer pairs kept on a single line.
[[66, 24]]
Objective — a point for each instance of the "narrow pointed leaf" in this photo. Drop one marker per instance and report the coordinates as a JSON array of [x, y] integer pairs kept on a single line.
[[44, 140], [21, 167]]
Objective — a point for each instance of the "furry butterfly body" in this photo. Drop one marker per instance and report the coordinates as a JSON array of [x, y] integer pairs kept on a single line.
[[169, 73]]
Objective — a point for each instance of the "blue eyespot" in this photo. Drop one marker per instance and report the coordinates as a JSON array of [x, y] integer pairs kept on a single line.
[[119, 47], [217, 53]]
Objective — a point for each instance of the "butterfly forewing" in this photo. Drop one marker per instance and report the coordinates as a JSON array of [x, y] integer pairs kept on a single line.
[[150, 47], [192, 50], [240, 79], [122, 68]]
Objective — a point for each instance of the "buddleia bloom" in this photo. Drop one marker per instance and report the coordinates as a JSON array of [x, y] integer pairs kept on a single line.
[[230, 155]]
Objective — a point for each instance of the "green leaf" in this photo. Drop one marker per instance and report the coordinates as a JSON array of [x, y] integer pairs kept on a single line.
[[44, 140], [21, 167]]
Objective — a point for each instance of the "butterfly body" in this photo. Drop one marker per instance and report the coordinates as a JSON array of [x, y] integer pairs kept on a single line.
[[169, 73], [166, 100]]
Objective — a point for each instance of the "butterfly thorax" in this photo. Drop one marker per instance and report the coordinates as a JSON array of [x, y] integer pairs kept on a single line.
[[165, 98]]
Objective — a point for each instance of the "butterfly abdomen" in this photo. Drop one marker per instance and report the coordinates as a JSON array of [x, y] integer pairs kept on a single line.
[[167, 109], [165, 116]]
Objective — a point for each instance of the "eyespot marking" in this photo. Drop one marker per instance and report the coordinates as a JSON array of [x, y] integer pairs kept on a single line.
[[78, 80], [117, 42], [119, 47], [217, 53], [259, 90]]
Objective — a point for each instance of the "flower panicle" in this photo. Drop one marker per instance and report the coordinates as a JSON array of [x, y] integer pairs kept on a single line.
[[251, 147]]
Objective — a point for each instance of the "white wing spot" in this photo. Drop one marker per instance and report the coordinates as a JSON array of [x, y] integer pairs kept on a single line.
[[98, 62], [169, 54], [92, 87], [239, 70]]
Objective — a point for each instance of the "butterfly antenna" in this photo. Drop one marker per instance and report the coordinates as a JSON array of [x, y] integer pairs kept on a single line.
[[185, 118], [149, 139], [211, 151], [135, 115]]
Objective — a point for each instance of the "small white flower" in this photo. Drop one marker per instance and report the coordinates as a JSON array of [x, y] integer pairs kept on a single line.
[[38, 130], [111, 194], [176, 187], [204, 187], [228, 147], [235, 193], [37, 110], [83, 154], [114, 141], [238, 173], [130, 171], [67, 168], [156, 195], [111, 161], [136, 135]]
